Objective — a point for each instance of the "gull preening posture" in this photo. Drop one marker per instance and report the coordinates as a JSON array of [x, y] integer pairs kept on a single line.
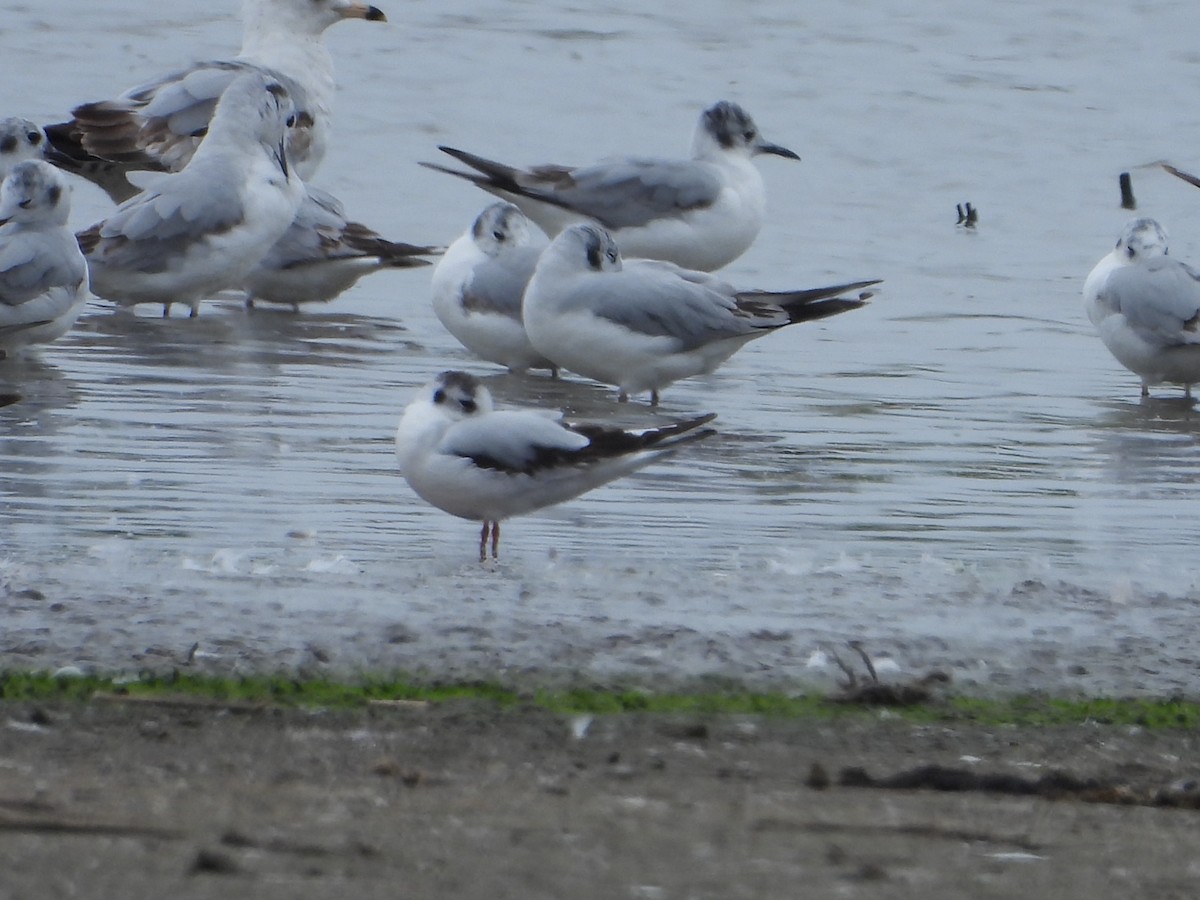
[[466, 458], [43, 275], [201, 230], [158, 125], [642, 324], [1146, 307], [323, 254], [478, 284], [699, 213]]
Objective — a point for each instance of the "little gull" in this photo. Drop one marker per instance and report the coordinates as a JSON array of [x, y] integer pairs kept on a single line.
[[643, 324], [479, 282], [700, 213], [202, 230], [159, 124], [43, 275], [323, 254], [1146, 307], [20, 140], [464, 457]]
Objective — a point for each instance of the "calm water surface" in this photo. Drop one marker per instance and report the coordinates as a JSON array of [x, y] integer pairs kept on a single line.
[[960, 474]]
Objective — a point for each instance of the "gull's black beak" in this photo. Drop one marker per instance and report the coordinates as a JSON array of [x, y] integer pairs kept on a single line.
[[776, 150], [281, 156]]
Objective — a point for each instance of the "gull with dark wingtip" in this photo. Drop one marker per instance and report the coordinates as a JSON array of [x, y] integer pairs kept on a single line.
[[158, 125], [643, 324], [463, 456], [700, 213]]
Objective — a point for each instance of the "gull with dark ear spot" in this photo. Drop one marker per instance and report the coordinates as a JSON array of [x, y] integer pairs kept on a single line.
[[158, 125], [480, 281], [43, 276], [700, 213], [1146, 307], [20, 140], [202, 230], [323, 254], [460, 454], [643, 324]]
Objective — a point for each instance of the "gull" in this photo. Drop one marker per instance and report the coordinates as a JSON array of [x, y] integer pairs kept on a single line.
[[700, 213], [43, 275], [479, 282], [159, 124], [1146, 307], [201, 230], [461, 455], [20, 140], [323, 254], [643, 324]]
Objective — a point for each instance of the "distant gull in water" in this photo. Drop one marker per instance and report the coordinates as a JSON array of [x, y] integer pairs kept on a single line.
[[159, 124], [323, 254], [464, 457], [43, 275], [1146, 307], [700, 213], [642, 324], [201, 230], [479, 282]]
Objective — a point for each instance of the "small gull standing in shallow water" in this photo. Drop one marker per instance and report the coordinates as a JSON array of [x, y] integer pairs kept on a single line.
[[200, 231], [700, 213], [323, 254], [466, 458], [43, 275], [1146, 307], [158, 125], [642, 324], [479, 282]]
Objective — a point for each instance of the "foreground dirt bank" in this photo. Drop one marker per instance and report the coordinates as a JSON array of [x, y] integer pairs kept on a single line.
[[135, 799]]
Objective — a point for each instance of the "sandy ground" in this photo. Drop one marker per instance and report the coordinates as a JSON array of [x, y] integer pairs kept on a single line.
[[140, 799]]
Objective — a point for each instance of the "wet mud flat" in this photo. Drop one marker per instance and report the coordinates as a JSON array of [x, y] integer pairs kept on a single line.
[[125, 797]]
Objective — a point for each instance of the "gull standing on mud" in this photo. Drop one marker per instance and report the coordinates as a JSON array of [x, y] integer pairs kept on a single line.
[[323, 254], [1146, 307], [479, 282], [699, 213], [642, 324], [201, 230], [159, 124], [43, 275], [464, 457]]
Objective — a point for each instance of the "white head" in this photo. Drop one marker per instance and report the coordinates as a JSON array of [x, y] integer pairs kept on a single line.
[[20, 140], [1140, 240], [35, 193], [586, 247], [727, 128], [303, 17], [255, 108], [501, 227]]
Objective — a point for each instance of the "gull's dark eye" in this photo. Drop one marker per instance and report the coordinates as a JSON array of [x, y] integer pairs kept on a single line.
[[35, 137], [1130, 252], [749, 136], [467, 405], [439, 396], [291, 121], [612, 254], [498, 235]]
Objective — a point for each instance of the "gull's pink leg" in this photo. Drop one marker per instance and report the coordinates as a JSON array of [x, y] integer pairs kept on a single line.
[[483, 536], [495, 540]]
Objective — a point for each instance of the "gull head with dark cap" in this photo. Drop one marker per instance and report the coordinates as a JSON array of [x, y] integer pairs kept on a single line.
[[500, 227], [730, 128], [34, 191], [1142, 239], [587, 245]]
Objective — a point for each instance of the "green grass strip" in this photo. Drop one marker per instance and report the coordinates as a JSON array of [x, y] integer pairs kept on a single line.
[[280, 690]]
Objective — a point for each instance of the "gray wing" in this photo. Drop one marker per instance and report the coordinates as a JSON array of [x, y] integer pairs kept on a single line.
[[33, 262], [1160, 300], [512, 441], [145, 233], [498, 284], [634, 192], [661, 300]]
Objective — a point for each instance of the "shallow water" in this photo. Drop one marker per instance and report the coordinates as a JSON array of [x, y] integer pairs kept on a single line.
[[959, 475]]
